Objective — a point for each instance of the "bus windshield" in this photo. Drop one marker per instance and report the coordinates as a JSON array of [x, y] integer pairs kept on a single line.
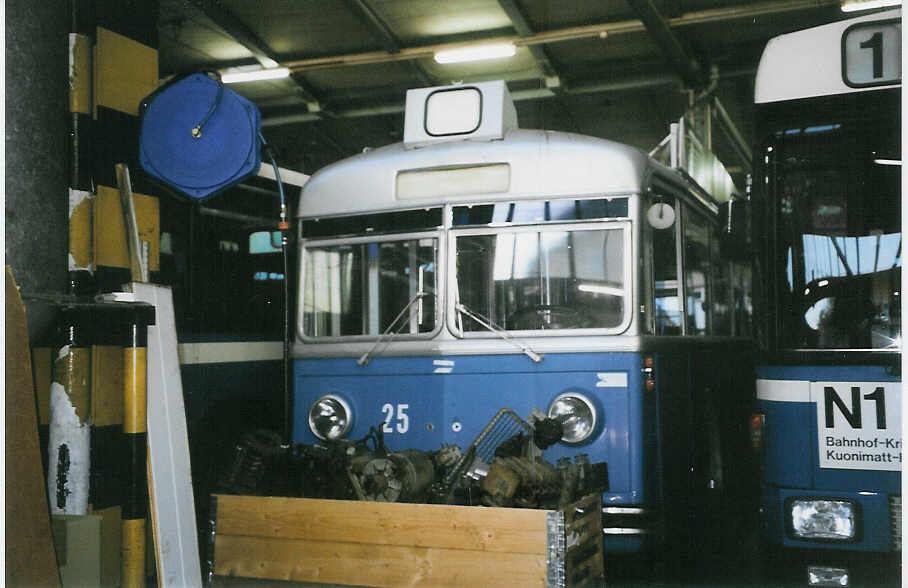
[[539, 279], [369, 288], [838, 259]]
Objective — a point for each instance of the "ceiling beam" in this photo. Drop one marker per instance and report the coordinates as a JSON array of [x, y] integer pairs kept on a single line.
[[260, 50], [628, 83], [390, 41], [686, 65], [524, 29], [602, 30]]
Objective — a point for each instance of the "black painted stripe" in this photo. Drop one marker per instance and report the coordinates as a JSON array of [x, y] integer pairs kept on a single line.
[[135, 495], [107, 484]]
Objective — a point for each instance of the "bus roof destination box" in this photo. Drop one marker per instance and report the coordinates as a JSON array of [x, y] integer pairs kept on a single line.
[[475, 112], [800, 65]]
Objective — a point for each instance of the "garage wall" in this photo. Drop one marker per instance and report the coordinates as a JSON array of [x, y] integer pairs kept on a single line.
[[37, 150]]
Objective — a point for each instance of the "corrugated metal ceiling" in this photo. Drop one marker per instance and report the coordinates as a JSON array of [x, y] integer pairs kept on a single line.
[[584, 66]]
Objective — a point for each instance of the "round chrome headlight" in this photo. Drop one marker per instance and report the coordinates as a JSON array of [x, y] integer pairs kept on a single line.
[[576, 414], [330, 418]]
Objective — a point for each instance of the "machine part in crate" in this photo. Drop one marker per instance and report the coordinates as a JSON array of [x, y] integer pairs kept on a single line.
[[448, 456], [251, 457], [477, 470], [326, 469], [547, 432], [503, 426], [397, 477], [519, 481], [501, 484]]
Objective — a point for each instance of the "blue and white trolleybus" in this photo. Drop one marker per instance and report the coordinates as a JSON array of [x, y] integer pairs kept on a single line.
[[827, 195], [478, 266]]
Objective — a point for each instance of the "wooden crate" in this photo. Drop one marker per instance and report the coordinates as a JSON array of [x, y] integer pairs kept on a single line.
[[391, 544]]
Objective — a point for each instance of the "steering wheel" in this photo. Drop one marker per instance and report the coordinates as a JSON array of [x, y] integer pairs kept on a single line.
[[544, 316]]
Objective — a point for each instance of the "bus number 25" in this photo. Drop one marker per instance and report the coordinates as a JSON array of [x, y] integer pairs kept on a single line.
[[403, 421]]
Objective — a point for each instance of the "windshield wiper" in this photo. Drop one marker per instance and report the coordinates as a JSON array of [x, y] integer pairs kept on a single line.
[[366, 357], [498, 331]]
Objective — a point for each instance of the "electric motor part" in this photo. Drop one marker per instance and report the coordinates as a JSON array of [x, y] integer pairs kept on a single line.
[[547, 432], [503, 426], [519, 481], [448, 456], [397, 477], [252, 456]]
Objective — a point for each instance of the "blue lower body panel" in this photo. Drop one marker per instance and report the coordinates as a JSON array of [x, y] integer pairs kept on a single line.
[[425, 402], [832, 433]]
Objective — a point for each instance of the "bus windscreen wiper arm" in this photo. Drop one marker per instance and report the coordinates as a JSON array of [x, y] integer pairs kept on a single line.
[[366, 357], [498, 331]]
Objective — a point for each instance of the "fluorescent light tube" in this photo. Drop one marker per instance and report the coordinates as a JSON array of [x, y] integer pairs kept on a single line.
[[855, 5], [256, 75], [476, 53]]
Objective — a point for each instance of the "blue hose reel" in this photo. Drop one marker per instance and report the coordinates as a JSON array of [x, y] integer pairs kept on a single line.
[[199, 137]]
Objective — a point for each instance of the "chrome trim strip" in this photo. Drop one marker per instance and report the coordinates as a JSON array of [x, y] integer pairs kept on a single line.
[[623, 510], [452, 347], [624, 531], [229, 352], [783, 390]]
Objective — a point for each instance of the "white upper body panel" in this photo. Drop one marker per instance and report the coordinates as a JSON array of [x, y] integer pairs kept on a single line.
[[526, 164], [810, 63]]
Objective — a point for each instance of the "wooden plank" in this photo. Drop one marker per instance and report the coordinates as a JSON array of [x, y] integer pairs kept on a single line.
[[29, 555], [587, 572], [361, 564], [170, 478], [503, 530], [584, 559]]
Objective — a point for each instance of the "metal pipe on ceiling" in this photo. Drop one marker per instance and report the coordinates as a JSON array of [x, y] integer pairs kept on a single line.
[[630, 83], [687, 66], [559, 35]]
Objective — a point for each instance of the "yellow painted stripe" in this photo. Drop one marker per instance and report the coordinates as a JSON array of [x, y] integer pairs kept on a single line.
[[109, 229], [80, 210], [125, 71], [132, 570], [107, 385], [134, 389], [72, 370], [80, 80]]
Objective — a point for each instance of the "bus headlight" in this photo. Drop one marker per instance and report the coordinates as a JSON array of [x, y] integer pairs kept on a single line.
[[330, 418], [576, 414], [826, 520]]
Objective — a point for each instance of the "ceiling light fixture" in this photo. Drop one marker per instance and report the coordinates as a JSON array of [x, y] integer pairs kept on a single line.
[[273, 73], [855, 5], [476, 53]]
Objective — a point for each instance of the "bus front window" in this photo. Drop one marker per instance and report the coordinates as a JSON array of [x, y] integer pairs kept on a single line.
[[838, 262], [541, 280], [359, 289]]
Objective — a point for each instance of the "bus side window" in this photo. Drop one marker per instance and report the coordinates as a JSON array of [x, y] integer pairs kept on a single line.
[[696, 271], [721, 290], [665, 278]]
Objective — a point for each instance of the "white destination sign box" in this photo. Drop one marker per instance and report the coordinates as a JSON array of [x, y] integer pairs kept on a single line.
[[859, 424]]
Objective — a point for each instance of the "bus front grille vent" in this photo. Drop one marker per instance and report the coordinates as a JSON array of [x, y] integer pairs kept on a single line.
[[895, 521]]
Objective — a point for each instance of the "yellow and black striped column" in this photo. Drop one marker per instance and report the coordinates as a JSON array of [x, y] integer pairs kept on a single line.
[[81, 261], [135, 500], [69, 437]]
